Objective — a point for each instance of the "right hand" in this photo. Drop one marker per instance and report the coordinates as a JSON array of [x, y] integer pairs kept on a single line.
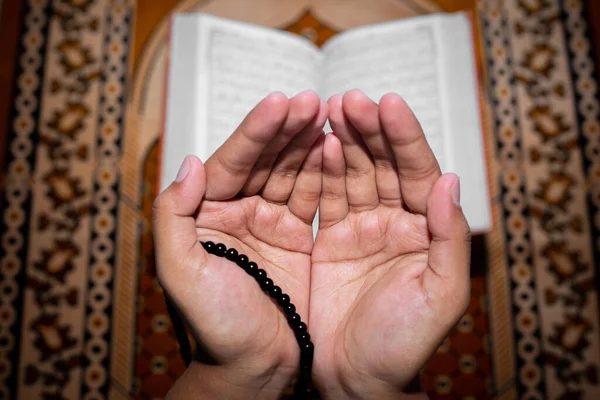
[[258, 194]]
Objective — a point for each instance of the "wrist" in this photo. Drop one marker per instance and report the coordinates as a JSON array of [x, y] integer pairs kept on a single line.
[[369, 387], [219, 381], [373, 393]]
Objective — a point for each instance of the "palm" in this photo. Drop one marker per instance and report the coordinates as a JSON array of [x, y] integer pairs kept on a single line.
[[383, 253], [278, 242]]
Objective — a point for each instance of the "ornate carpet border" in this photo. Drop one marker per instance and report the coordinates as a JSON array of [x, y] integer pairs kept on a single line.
[[543, 194], [15, 199]]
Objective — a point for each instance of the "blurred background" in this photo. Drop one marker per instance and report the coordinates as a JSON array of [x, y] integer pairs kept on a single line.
[[81, 102]]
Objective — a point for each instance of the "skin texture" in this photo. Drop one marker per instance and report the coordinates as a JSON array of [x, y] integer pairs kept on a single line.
[[385, 280], [390, 263]]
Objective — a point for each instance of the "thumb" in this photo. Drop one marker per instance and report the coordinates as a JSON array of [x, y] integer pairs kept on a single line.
[[173, 213], [450, 249]]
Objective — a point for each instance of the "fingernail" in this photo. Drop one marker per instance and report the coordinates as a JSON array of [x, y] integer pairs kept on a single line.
[[455, 191], [183, 170]]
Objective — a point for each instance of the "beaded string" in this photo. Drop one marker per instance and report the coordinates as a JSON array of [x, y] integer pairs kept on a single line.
[[302, 388]]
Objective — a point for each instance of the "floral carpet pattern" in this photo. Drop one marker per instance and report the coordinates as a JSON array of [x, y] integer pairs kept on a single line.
[[81, 313]]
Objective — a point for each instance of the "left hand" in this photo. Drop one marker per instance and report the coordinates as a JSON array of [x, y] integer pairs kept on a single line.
[[390, 264]]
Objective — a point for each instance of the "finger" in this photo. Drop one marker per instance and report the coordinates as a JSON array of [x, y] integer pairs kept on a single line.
[[417, 167], [304, 200], [173, 213], [333, 205], [229, 167], [449, 252], [283, 175], [360, 171], [303, 108], [363, 114]]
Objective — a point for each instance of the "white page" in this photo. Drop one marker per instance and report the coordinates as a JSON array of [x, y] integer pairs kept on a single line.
[[240, 65], [462, 118], [427, 60]]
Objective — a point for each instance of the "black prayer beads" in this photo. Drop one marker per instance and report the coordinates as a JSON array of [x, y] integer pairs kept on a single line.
[[283, 300]]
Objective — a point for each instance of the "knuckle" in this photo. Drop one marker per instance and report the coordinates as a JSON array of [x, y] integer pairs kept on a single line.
[[411, 138], [428, 169], [229, 164], [466, 230], [331, 195], [385, 165], [257, 139], [309, 196], [333, 174], [265, 162], [355, 172], [160, 204]]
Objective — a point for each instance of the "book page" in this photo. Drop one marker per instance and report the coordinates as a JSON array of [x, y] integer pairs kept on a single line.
[[392, 57], [240, 65], [462, 118]]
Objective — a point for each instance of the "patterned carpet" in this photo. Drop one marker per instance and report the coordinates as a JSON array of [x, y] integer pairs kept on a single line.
[[81, 313]]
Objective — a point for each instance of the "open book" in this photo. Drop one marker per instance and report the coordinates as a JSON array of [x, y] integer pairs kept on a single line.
[[219, 69]]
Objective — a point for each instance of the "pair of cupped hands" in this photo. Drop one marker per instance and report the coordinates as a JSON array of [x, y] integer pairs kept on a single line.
[[381, 285]]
